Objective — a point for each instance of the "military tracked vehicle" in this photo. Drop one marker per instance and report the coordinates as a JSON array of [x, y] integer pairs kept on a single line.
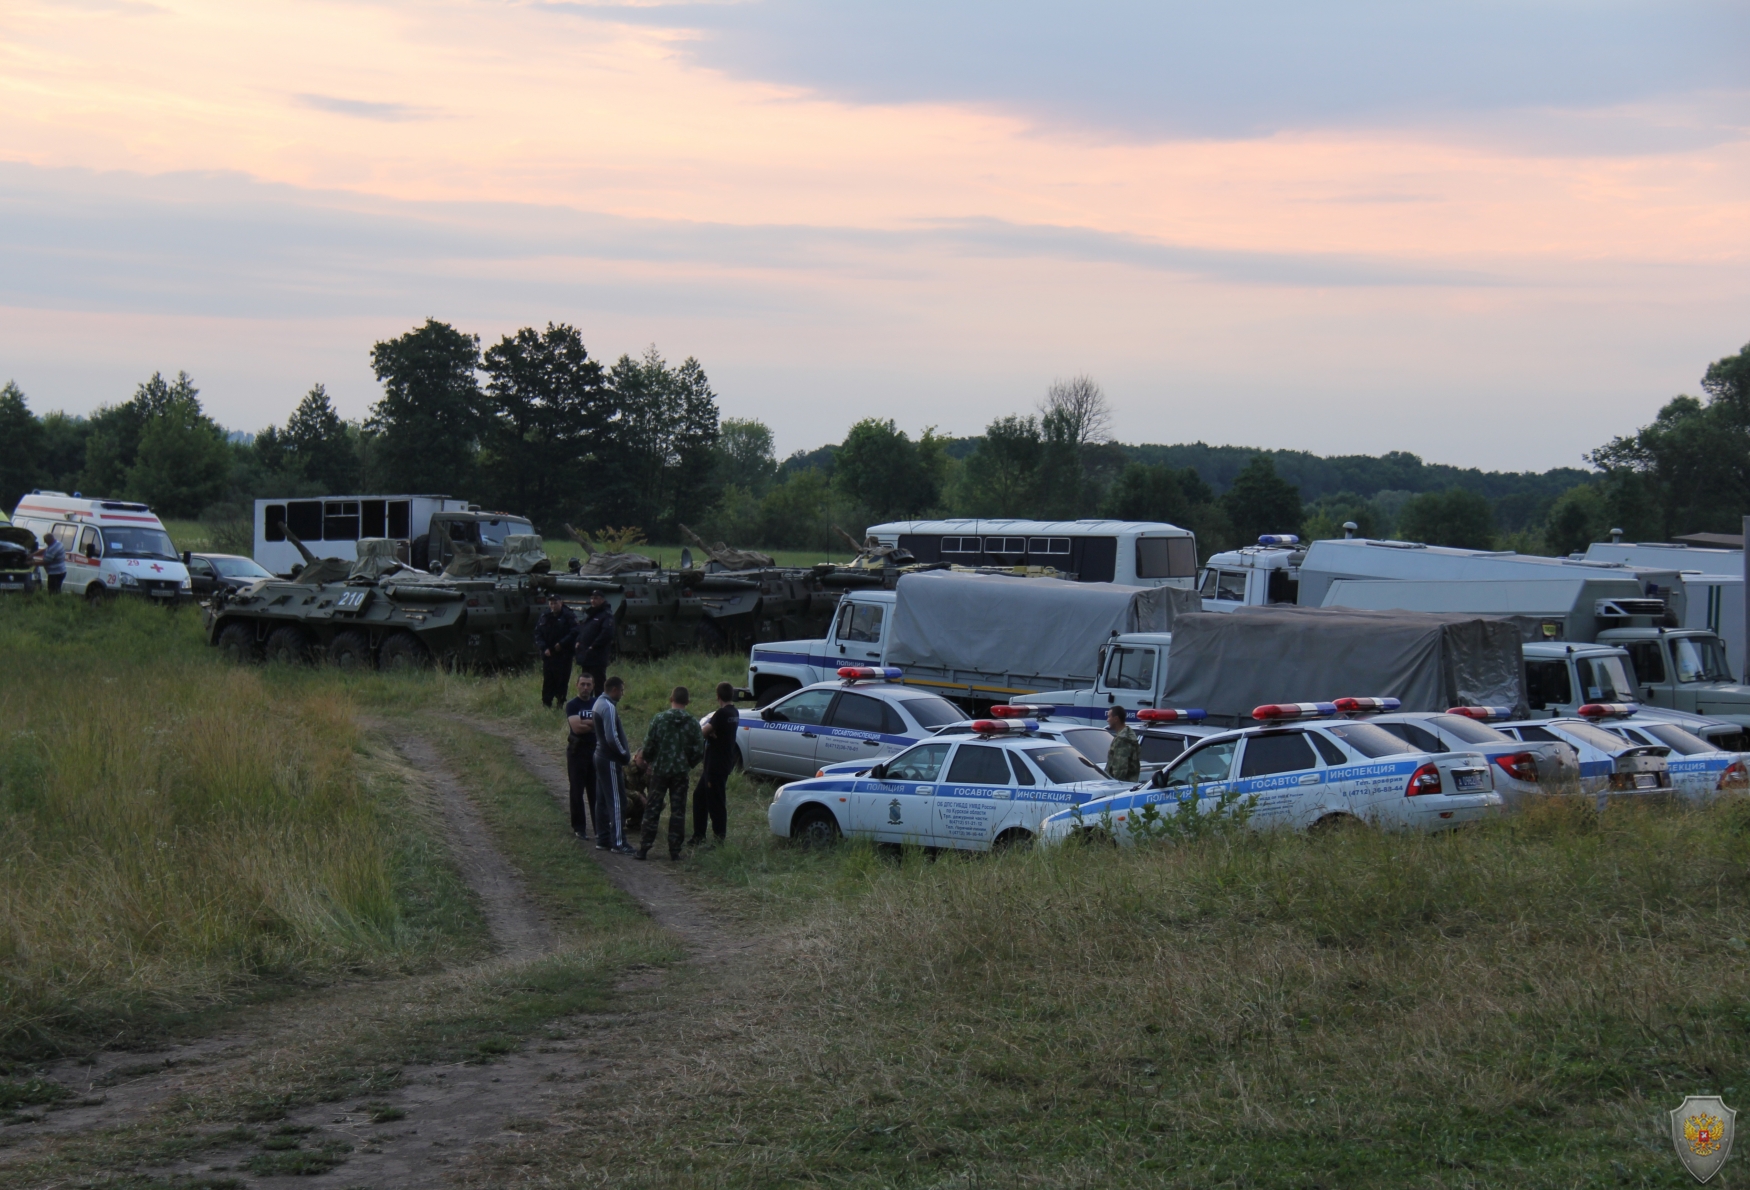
[[378, 611]]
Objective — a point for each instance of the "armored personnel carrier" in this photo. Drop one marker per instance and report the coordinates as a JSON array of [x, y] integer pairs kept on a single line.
[[378, 611]]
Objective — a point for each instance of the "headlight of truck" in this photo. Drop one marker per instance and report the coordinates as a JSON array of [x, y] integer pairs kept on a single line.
[[188, 584], [128, 580]]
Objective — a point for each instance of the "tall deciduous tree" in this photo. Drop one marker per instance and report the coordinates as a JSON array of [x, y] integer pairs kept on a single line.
[[745, 458], [1002, 475], [546, 405], [1454, 517], [112, 444], [1145, 493], [183, 462], [1081, 407], [319, 444], [655, 466], [879, 468], [21, 446], [1260, 501], [428, 422]]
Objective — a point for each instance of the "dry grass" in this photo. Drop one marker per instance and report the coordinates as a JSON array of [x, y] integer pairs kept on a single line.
[[172, 829]]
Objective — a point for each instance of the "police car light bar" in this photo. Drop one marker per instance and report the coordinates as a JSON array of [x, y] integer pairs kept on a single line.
[[1279, 539], [1366, 706], [1014, 711], [1486, 714], [999, 726], [853, 673], [1169, 715], [1294, 710], [1608, 710]]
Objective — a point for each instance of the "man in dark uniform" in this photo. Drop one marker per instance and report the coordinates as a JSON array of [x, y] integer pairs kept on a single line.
[[555, 637], [580, 753], [595, 639], [711, 798]]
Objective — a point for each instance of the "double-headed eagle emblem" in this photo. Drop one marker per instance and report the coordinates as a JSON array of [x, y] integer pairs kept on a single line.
[[1701, 1130]]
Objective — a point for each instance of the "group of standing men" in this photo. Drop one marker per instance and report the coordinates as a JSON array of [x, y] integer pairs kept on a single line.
[[597, 752]]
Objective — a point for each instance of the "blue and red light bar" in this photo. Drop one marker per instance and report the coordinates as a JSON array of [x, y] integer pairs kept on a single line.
[[1294, 710], [1485, 714], [1279, 539], [1366, 706], [870, 673], [1170, 715], [999, 726], [1016, 711], [1608, 710]]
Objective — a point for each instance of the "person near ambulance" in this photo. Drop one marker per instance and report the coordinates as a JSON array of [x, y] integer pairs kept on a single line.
[[53, 559]]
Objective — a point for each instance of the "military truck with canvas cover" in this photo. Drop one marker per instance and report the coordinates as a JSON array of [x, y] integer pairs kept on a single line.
[[977, 639], [1229, 664]]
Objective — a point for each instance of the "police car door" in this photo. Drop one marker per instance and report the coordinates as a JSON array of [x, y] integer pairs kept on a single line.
[[855, 730], [975, 794], [1280, 771], [897, 808], [784, 739]]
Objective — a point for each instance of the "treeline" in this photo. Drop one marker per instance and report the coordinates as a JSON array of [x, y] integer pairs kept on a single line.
[[533, 424]]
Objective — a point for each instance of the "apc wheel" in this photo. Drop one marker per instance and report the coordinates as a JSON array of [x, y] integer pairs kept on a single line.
[[1013, 839], [405, 652], [288, 646], [237, 644], [814, 826], [351, 651]]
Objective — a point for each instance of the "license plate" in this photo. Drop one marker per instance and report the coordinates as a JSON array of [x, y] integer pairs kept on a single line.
[[1470, 780], [1646, 780], [164, 594]]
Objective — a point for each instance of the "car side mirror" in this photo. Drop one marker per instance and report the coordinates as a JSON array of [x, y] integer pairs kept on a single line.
[[879, 772], [770, 714], [185, 554]]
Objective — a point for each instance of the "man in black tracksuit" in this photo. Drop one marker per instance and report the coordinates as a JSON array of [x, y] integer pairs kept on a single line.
[[555, 638], [595, 640]]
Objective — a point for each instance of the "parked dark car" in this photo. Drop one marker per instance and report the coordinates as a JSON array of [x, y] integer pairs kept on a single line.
[[212, 572], [17, 571]]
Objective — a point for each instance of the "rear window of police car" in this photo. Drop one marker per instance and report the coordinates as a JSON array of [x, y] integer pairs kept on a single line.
[[1064, 766], [931, 711], [1370, 739]]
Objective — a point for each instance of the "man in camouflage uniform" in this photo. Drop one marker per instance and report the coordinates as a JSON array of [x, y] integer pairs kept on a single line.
[[672, 746], [1124, 761]]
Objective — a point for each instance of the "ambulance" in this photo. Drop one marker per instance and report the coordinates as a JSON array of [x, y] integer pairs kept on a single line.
[[113, 546]]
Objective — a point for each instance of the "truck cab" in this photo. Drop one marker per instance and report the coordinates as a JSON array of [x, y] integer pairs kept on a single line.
[[1133, 672], [1255, 576], [859, 634], [1683, 669], [1560, 678]]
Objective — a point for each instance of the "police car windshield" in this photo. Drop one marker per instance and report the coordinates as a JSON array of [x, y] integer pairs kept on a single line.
[[125, 542], [239, 568], [1595, 737], [933, 711], [1064, 766], [1371, 740], [1470, 731], [1681, 742]]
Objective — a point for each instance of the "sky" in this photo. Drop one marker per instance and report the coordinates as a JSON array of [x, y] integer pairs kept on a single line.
[[1493, 234]]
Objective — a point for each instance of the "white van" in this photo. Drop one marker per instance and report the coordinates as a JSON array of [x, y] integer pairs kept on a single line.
[[112, 546]]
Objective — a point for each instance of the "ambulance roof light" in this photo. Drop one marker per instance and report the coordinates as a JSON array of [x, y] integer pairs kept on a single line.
[[1485, 714], [1294, 710], [1171, 715], [1279, 539], [1608, 710], [1366, 706], [870, 673]]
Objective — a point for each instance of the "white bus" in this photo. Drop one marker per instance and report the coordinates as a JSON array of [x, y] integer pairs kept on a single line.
[[1135, 553], [330, 527]]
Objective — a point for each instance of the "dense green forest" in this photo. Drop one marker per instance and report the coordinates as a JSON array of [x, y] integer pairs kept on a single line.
[[534, 424]]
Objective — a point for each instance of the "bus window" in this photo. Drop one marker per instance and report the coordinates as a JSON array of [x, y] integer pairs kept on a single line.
[[1165, 557]]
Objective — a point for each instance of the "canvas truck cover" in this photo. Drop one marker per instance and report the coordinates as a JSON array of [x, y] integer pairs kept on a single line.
[[1229, 663], [1024, 626]]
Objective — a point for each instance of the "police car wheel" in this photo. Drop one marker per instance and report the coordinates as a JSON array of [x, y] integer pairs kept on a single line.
[[814, 826], [1336, 824], [1013, 839], [1092, 836], [237, 644]]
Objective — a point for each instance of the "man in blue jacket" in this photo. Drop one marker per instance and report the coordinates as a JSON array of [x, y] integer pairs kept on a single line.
[[612, 752]]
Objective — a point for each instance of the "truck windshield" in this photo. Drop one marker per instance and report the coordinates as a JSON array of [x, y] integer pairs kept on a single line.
[[137, 543], [931, 711], [1130, 669], [1604, 679], [1224, 584], [1370, 739], [495, 531], [1699, 659]]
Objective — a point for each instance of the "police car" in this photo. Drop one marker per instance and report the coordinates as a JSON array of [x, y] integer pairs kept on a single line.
[[1520, 769], [865, 716], [1699, 770], [991, 788], [1609, 764], [1307, 766]]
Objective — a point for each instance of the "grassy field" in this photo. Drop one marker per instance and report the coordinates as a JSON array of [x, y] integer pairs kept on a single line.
[[1512, 1006]]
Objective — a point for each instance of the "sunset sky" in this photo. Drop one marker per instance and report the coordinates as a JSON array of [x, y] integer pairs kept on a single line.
[[1493, 234]]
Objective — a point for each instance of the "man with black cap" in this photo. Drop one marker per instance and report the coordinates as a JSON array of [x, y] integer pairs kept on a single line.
[[595, 639], [555, 637]]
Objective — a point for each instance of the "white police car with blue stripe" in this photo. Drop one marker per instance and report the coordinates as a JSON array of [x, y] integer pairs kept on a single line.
[[1699, 770], [866, 716], [1306, 766], [1609, 765], [977, 792]]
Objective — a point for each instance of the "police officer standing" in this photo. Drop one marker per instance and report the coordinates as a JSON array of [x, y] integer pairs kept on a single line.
[[711, 798], [1124, 761], [595, 639], [672, 746], [555, 637], [580, 753]]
